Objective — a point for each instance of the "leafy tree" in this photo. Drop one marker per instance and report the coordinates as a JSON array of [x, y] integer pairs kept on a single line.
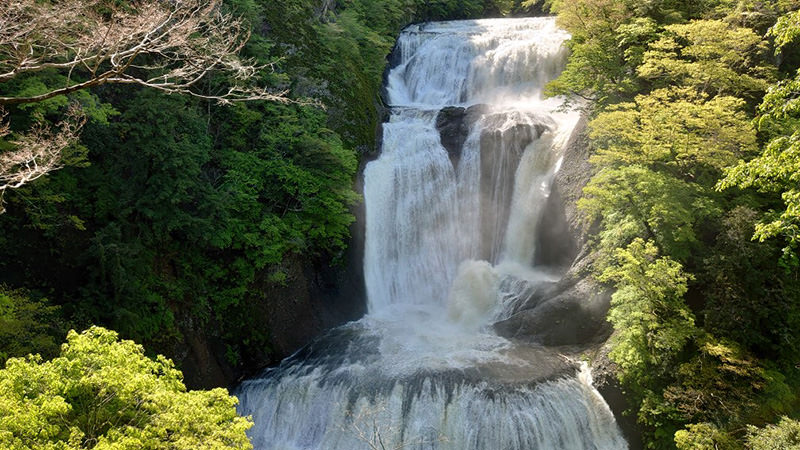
[[27, 325], [633, 201], [602, 63], [103, 393], [724, 385], [777, 169], [79, 44], [609, 41], [710, 56], [672, 87], [677, 131], [746, 298], [704, 436], [786, 30], [785, 435], [651, 321]]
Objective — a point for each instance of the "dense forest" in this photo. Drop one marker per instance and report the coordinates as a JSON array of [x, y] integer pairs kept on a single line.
[[694, 135], [179, 207]]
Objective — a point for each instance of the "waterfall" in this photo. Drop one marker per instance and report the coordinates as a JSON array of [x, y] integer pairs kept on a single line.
[[450, 244]]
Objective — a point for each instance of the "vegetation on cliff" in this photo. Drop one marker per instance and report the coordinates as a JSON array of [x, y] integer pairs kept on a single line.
[[693, 132]]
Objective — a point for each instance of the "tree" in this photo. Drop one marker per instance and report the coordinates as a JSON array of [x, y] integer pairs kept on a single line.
[[103, 393], [27, 325], [783, 436], [651, 321], [724, 385], [710, 56], [777, 169], [602, 65], [634, 201], [677, 131], [173, 46], [746, 299], [704, 436]]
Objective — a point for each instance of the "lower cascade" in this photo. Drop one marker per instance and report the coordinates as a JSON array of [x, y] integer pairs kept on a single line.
[[453, 204]]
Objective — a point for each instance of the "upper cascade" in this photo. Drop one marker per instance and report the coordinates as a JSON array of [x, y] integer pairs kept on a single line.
[[496, 61]]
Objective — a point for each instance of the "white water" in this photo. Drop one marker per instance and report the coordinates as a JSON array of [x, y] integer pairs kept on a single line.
[[449, 243]]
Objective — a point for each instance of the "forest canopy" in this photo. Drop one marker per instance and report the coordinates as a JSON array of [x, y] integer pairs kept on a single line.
[[693, 127]]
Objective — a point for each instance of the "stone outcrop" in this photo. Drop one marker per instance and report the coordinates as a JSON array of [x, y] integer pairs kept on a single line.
[[571, 311], [315, 297], [453, 124]]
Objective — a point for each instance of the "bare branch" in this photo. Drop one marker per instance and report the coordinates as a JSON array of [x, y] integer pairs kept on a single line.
[[169, 45], [183, 41], [37, 152]]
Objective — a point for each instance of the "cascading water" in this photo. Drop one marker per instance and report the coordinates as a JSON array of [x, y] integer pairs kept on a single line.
[[449, 247]]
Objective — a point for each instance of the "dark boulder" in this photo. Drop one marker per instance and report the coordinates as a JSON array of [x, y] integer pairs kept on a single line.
[[453, 124], [575, 315]]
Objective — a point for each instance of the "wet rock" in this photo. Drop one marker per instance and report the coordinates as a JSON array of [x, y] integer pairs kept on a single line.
[[569, 181], [556, 246], [573, 310], [575, 316], [605, 380], [453, 124]]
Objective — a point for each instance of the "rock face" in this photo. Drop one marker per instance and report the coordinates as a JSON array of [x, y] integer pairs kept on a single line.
[[572, 311], [316, 296], [453, 124], [571, 314]]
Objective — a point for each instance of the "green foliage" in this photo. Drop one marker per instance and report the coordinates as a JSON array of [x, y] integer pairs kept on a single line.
[[27, 325], [709, 56], [785, 435], [651, 321], [758, 15], [677, 131], [185, 216], [777, 169], [183, 221], [747, 300], [706, 400], [704, 436], [633, 201], [786, 30], [673, 86], [601, 66], [103, 393], [723, 384]]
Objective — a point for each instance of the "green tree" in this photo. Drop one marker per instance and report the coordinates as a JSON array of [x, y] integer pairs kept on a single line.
[[785, 435], [635, 202], [651, 321], [710, 56], [51, 49], [27, 325], [103, 393], [746, 299], [603, 56], [676, 131], [777, 169], [724, 385], [704, 436]]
